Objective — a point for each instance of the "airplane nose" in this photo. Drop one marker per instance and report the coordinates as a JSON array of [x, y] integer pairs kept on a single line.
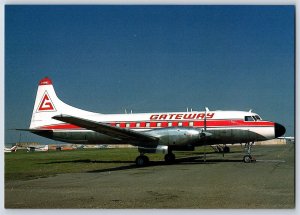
[[279, 130]]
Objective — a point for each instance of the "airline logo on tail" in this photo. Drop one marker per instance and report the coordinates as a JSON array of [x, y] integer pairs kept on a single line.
[[46, 103]]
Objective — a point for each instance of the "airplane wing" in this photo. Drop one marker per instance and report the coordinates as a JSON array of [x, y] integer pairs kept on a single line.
[[126, 135]]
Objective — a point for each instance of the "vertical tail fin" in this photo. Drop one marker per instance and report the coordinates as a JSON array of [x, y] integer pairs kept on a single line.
[[47, 105]]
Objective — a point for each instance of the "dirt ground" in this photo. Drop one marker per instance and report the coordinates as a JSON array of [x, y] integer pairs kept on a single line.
[[191, 183]]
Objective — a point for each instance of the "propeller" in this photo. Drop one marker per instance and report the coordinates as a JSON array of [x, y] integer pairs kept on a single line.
[[203, 131]]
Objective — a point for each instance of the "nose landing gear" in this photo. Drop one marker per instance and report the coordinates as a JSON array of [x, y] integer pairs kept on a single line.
[[248, 158]]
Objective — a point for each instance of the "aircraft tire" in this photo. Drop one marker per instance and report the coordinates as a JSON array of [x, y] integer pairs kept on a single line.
[[170, 158], [247, 159], [142, 160], [226, 149]]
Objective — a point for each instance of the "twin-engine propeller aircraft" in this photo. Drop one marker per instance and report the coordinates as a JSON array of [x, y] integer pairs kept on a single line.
[[150, 132]]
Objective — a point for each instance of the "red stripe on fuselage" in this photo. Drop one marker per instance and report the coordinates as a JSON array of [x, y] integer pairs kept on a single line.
[[196, 123]]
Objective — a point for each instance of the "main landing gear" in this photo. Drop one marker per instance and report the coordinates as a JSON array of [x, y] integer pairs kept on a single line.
[[142, 160], [170, 158], [248, 158]]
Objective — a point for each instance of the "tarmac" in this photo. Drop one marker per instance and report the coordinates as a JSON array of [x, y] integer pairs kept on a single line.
[[217, 182]]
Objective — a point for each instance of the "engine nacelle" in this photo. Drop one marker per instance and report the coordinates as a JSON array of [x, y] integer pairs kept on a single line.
[[176, 136]]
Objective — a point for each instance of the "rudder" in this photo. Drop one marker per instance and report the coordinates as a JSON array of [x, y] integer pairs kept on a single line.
[[47, 105]]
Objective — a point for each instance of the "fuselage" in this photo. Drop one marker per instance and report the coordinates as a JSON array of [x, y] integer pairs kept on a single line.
[[227, 127]]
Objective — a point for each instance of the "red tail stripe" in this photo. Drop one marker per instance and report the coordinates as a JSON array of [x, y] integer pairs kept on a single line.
[[61, 126]]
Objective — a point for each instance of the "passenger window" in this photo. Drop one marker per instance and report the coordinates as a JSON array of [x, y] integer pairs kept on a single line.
[[249, 118]]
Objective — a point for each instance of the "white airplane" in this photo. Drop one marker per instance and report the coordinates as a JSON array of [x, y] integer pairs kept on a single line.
[[37, 149], [12, 149], [150, 132]]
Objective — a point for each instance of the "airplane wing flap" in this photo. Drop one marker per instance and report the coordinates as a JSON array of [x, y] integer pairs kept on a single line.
[[115, 132]]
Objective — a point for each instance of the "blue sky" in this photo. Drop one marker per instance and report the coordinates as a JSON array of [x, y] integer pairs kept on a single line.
[[151, 59]]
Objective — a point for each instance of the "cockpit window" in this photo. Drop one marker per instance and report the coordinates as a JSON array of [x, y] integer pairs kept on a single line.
[[257, 117], [249, 118]]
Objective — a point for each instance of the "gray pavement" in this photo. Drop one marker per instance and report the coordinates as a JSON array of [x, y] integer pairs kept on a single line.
[[192, 183]]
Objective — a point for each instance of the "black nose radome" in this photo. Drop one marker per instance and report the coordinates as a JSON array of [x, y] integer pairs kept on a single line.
[[279, 130]]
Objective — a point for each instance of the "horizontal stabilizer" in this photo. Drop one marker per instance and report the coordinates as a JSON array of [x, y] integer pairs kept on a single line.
[[30, 129], [42, 132]]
